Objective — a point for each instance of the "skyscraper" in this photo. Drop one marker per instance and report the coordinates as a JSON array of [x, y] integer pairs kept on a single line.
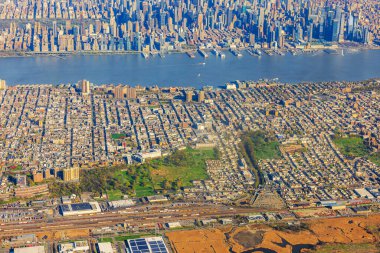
[[350, 26], [366, 36], [120, 91], [84, 86], [189, 96], [137, 42], [138, 9], [71, 174], [341, 28], [55, 29], [335, 30], [162, 19], [131, 93], [3, 85], [201, 96], [124, 92]]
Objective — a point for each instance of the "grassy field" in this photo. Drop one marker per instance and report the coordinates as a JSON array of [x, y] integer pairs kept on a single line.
[[267, 150], [343, 248], [263, 147], [142, 191], [114, 195], [375, 158], [132, 236], [186, 165], [117, 136], [117, 194], [351, 146], [105, 240], [143, 186], [255, 146]]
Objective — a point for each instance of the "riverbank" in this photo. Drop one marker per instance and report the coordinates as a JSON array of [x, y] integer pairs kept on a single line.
[[5, 54]]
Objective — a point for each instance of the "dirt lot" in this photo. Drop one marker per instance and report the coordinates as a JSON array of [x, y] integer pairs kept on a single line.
[[344, 248], [200, 241], [249, 239], [345, 230], [317, 212], [337, 232], [67, 234]]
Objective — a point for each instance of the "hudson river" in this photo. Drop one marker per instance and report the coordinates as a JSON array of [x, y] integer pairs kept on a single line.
[[181, 70]]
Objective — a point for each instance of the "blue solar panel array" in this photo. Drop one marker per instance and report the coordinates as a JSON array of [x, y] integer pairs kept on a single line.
[[81, 206], [64, 208], [147, 246]]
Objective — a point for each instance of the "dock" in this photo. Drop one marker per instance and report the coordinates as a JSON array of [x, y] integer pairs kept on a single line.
[[236, 53], [190, 54], [203, 53]]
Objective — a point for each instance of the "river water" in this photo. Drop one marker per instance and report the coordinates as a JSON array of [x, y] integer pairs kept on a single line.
[[181, 70]]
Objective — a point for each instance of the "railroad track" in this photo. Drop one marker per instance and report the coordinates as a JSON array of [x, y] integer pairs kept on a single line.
[[110, 219]]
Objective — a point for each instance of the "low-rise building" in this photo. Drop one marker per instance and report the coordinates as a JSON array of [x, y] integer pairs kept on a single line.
[[79, 208]]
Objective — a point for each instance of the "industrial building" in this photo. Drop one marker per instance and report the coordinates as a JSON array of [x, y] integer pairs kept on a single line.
[[121, 203], [34, 249], [79, 208], [71, 247], [104, 247], [147, 245]]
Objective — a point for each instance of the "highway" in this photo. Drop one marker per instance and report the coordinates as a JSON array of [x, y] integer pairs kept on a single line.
[[131, 216]]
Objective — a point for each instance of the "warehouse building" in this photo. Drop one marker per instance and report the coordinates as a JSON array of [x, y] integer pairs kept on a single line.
[[79, 208]]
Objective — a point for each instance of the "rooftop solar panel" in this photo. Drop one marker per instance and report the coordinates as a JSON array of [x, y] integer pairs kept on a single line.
[[81, 206], [65, 208], [147, 245]]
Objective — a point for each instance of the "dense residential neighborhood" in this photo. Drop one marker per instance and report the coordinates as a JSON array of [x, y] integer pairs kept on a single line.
[[268, 151]]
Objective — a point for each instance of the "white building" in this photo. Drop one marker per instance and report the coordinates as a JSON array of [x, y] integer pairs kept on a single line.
[[230, 86], [363, 193], [121, 203], [173, 225], [70, 247], [80, 208], [34, 249], [104, 247], [151, 153]]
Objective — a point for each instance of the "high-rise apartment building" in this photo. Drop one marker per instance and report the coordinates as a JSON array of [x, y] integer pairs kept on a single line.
[[3, 84], [120, 91], [201, 96], [71, 174], [131, 93], [189, 96], [124, 92], [84, 86]]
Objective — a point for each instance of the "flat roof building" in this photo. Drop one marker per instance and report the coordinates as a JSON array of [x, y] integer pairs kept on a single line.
[[363, 193], [71, 174], [147, 245], [79, 208], [70, 247], [104, 247], [156, 198], [34, 249]]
